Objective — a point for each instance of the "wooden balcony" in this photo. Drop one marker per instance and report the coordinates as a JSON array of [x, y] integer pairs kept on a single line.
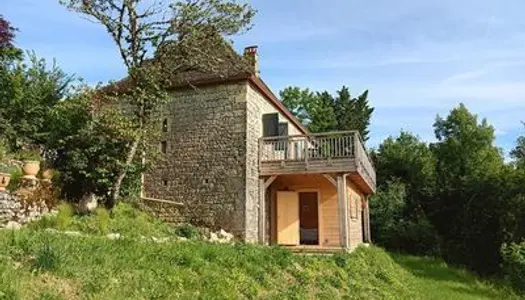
[[331, 152]]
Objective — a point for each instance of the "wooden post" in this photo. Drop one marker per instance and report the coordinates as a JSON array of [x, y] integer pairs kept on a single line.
[[262, 210], [263, 186], [367, 214], [342, 204]]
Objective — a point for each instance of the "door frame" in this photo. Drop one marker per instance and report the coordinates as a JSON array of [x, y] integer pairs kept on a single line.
[[319, 210], [319, 214]]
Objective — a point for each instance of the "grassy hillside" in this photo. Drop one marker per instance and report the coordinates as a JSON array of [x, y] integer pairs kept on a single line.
[[36, 264]]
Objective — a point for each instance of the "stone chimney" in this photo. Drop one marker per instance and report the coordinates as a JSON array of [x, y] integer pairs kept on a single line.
[[250, 54]]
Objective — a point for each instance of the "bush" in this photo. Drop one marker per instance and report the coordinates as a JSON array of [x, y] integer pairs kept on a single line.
[[87, 147], [396, 229], [16, 175], [513, 256], [188, 231]]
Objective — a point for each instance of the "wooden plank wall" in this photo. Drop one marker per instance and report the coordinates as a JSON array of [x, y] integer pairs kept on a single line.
[[355, 233], [328, 219]]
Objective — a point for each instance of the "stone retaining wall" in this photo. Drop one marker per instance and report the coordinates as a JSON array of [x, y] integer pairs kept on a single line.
[[13, 213]]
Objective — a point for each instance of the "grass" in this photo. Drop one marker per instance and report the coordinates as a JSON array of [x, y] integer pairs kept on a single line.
[[125, 219], [436, 280], [37, 264]]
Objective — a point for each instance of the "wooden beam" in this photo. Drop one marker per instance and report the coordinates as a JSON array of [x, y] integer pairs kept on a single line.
[[367, 221], [273, 217], [263, 187], [331, 179], [262, 210], [270, 180], [342, 204], [162, 201]]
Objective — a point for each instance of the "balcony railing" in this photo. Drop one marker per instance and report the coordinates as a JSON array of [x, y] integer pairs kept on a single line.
[[330, 147]]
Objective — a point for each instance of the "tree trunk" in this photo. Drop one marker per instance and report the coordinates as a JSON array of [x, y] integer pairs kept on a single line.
[[118, 183]]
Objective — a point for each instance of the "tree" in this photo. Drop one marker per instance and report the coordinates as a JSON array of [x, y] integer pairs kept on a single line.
[[184, 35], [8, 52], [407, 161], [314, 110], [29, 92], [518, 153], [321, 112], [353, 113], [298, 101], [6, 33], [86, 145], [469, 201]]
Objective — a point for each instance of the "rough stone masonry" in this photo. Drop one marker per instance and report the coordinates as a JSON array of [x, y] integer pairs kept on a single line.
[[202, 163]]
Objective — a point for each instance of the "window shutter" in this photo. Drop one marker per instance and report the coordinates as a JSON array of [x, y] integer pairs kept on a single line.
[[270, 124]]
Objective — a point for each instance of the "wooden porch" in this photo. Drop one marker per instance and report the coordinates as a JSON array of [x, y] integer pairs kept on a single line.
[[313, 213], [325, 153], [333, 168]]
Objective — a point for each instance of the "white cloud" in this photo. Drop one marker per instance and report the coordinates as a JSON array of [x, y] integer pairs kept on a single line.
[[465, 76]]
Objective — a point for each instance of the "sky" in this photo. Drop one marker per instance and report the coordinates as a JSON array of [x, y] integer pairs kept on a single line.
[[418, 59]]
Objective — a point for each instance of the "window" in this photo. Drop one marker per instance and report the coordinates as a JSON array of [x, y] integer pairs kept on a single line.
[[270, 124], [164, 147], [165, 125]]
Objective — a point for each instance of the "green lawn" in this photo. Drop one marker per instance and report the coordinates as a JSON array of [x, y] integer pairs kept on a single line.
[[38, 264], [434, 279]]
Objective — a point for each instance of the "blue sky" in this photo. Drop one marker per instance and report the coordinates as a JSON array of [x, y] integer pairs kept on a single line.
[[417, 58]]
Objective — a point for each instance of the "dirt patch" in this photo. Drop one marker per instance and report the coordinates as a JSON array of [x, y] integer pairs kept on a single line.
[[63, 287]]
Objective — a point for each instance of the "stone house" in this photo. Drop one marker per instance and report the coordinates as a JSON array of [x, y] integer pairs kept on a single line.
[[235, 158]]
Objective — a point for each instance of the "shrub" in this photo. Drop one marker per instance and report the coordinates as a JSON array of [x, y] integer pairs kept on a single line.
[[513, 256], [16, 175], [395, 229], [65, 216], [29, 154], [188, 231], [87, 148]]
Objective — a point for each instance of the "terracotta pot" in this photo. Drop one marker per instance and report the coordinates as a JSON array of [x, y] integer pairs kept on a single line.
[[30, 168], [4, 181], [47, 174]]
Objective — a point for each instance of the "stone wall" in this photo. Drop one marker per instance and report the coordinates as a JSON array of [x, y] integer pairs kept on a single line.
[[205, 162], [14, 212], [257, 105], [165, 211]]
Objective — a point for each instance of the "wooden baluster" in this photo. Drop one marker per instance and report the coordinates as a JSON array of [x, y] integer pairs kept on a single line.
[[305, 147]]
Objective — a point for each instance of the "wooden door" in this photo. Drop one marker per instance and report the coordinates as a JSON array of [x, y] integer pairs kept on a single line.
[[287, 218], [309, 218]]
